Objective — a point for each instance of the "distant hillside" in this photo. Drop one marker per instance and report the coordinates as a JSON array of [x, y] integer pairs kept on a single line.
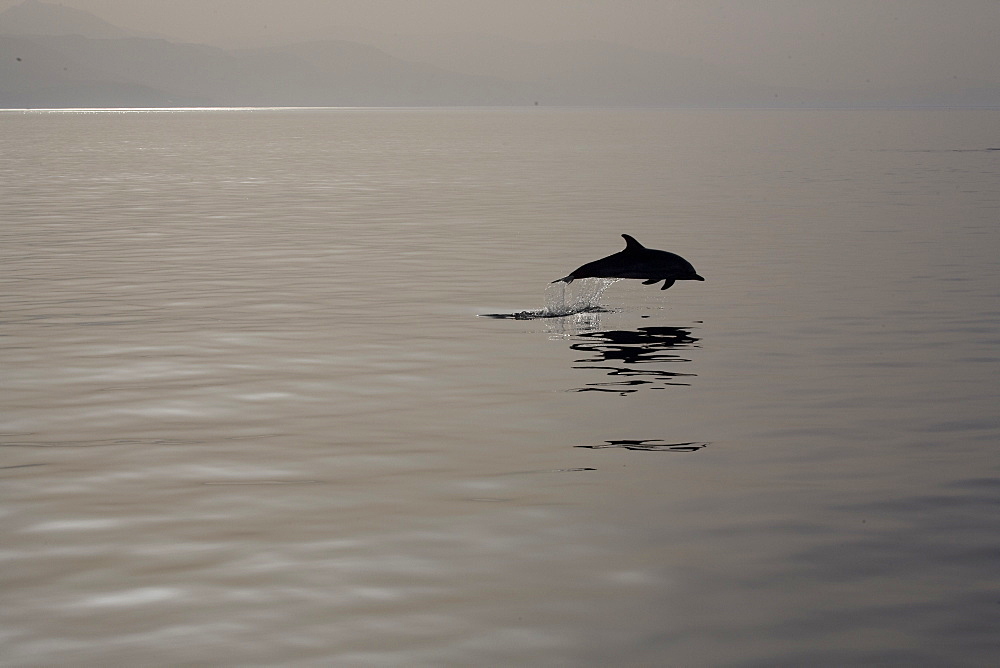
[[34, 70], [595, 72], [347, 73], [51, 55], [40, 72], [54, 56], [42, 18]]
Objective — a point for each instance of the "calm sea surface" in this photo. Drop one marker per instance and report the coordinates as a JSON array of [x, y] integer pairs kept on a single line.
[[252, 413]]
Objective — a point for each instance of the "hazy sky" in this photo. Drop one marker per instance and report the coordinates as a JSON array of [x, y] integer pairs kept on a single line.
[[791, 41]]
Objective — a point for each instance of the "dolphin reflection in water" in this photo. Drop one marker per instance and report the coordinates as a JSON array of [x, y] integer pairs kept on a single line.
[[637, 261]]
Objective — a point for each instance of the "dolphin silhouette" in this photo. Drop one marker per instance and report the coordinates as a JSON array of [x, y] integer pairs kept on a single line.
[[637, 261]]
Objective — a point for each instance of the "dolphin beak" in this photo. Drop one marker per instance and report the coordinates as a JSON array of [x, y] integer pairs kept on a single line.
[[696, 277], [569, 279]]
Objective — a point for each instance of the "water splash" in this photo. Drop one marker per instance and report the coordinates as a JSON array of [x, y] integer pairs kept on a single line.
[[563, 300]]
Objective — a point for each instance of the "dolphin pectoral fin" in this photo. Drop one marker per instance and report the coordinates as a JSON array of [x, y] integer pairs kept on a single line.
[[667, 283], [651, 281]]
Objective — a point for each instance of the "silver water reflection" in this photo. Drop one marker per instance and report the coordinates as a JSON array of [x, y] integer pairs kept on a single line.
[[250, 415]]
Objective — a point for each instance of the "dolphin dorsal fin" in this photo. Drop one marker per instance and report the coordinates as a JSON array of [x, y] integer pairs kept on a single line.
[[631, 244]]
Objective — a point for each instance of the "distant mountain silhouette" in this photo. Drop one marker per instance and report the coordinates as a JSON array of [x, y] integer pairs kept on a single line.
[[55, 56], [54, 71], [42, 18], [577, 71], [347, 73]]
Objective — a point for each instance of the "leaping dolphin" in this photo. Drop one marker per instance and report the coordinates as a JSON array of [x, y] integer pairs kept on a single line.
[[637, 261]]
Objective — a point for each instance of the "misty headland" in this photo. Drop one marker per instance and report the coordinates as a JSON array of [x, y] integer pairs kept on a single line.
[[53, 56]]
